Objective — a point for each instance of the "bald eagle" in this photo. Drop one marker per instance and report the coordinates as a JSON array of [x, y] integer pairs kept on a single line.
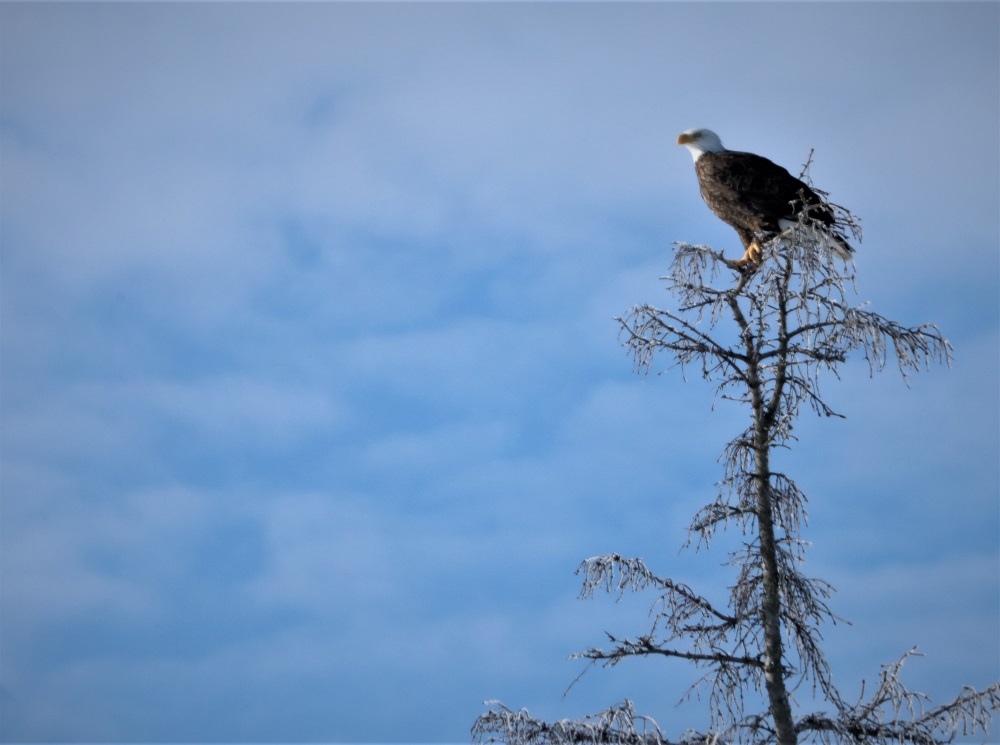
[[760, 199]]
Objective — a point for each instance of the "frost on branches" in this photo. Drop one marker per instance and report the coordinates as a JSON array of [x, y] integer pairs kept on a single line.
[[763, 338]]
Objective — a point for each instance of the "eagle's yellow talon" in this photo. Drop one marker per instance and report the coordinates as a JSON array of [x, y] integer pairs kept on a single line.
[[751, 257]]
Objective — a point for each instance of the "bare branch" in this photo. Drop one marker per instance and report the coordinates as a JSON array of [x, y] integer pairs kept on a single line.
[[896, 714], [617, 725], [614, 572]]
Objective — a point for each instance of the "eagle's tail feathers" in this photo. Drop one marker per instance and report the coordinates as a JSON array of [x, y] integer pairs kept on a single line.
[[825, 237], [838, 246]]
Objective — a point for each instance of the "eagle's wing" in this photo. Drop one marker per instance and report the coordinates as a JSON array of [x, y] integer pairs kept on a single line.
[[766, 189]]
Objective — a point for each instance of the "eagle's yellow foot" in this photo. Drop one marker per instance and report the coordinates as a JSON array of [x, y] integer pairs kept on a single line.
[[753, 254], [751, 257]]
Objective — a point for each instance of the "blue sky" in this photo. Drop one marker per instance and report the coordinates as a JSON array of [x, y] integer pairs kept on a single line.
[[312, 399]]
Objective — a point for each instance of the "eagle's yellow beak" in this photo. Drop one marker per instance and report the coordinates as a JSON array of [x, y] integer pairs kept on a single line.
[[684, 138]]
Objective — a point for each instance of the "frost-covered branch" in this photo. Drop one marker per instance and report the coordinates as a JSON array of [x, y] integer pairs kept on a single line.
[[617, 725], [615, 573], [895, 714]]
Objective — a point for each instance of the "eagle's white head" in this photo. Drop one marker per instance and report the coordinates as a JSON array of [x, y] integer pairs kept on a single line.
[[700, 141]]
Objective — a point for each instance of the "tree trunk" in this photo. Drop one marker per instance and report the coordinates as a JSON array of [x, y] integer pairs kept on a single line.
[[774, 670]]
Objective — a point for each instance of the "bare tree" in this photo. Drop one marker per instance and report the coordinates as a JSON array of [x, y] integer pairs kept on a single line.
[[763, 342]]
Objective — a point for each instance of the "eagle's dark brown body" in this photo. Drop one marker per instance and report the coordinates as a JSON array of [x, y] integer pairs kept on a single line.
[[753, 194]]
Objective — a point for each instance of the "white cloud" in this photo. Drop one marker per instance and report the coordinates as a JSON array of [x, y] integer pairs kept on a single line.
[[243, 409], [72, 558], [328, 553]]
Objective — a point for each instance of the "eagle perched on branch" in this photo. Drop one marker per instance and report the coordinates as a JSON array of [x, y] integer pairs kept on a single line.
[[760, 199]]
